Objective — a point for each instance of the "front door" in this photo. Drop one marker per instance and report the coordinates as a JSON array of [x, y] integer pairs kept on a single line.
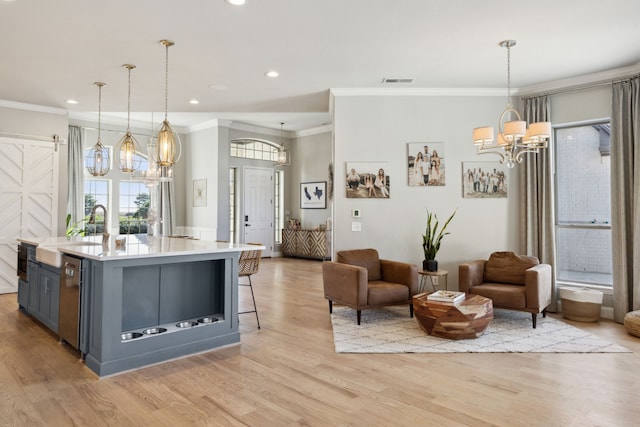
[[257, 219]]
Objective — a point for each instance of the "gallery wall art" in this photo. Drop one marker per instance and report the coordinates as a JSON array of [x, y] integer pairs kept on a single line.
[[368, 180], [484, 180], [425, 164]]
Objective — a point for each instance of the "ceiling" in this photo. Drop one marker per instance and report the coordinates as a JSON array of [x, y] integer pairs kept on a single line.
[[56, 50]]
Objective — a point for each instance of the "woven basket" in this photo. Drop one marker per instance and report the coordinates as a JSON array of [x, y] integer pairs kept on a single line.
[[632, 322]]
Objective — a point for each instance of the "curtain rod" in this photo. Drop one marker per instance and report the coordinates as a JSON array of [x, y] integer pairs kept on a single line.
[[581, 87]]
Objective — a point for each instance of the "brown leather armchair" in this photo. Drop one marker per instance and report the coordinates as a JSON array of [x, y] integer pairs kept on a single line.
[[514, 282], [360, 279]]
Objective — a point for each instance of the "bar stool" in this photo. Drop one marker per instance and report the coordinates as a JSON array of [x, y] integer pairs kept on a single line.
[[248, 264]]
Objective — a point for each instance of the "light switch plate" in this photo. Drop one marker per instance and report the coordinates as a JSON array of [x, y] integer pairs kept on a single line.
[[355, 213], [356, 226]]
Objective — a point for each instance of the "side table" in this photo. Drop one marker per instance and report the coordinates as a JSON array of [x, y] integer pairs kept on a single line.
[[429, 275]]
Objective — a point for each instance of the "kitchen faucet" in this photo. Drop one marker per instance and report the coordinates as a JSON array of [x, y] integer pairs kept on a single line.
[[92, 220]]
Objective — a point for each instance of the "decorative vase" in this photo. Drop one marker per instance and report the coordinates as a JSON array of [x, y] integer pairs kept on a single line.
[[430, 265]]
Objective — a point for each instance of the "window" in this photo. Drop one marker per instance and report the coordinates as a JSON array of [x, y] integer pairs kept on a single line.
[[232, 204], [278, 196], [583, 205], [254, 149], [134, 207], [96, 191]]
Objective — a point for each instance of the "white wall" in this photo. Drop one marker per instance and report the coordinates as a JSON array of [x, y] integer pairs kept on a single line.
[[311, 156], [200, 162], [377, 129]]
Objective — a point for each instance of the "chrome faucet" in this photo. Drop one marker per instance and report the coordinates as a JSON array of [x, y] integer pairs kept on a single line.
[[92, 220]]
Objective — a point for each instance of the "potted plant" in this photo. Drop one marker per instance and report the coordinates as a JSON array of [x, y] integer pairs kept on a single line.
[[431, 240]]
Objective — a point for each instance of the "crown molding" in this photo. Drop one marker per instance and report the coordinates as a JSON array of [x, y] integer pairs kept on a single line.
[[585, 80], [90, 117], [336, 92], [261, 130], [32, 107], [313, 131]]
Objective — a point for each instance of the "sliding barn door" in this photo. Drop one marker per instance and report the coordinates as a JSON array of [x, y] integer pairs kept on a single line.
[[29, 199]]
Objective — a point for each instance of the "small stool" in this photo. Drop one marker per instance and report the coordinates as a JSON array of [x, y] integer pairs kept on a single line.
[[632, 322]]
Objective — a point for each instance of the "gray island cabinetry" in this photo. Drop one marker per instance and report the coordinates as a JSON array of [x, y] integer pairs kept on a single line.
[[153, 299]]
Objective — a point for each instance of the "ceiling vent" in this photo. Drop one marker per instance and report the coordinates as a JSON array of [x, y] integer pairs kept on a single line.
[[396, 80]]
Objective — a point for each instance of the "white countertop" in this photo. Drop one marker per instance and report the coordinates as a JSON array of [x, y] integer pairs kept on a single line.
[[137, 246]]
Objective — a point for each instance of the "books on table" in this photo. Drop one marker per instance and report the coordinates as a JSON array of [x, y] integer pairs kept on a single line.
[[446, 296]]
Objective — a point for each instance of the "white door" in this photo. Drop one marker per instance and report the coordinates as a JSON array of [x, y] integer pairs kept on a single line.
[[257, 219], [29, 194]]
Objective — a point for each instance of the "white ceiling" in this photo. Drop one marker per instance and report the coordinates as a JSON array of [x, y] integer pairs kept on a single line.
[[55, 50]]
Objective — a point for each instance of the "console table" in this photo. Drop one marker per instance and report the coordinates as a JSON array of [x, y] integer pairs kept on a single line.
[[306, 243]]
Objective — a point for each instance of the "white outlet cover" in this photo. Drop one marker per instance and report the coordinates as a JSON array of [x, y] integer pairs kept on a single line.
[[356, 226]]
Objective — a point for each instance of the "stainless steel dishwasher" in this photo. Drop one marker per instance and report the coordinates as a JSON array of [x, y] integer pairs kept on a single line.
[[70, 290]]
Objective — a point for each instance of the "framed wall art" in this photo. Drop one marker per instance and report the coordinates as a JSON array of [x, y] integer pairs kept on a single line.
[[425, 164], [199, 192], [484, 180], [313, 195], [368, 180]]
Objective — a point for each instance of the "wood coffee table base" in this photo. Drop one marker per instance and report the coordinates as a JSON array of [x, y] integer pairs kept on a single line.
[[465, 319]]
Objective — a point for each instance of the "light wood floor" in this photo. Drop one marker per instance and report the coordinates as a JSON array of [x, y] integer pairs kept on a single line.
[[287, 373]]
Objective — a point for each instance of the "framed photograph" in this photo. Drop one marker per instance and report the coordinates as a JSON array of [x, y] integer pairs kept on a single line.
[[484, 180], [199, 192], [425, 164], [368, 180], [313, 195]]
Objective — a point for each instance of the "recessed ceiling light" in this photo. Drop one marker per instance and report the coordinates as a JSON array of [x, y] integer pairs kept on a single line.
[[71, 101], [273, 74], [236, 2], [194, 101]]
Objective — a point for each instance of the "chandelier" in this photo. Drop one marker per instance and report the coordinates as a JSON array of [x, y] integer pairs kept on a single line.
[[514, 139], [97, 159], [128, 149], [168, 148]]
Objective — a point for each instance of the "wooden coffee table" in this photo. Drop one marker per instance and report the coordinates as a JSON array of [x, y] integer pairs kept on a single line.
[[461, 320]]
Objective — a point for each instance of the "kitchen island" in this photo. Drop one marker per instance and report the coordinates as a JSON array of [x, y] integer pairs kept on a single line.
[[150, 300]]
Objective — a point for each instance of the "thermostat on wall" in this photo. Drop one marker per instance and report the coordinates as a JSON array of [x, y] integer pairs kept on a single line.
[[355, 213]]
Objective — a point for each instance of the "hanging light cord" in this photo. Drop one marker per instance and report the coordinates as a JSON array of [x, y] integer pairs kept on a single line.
[[166, 81], [99, 109], [509, 104], [129, 100]]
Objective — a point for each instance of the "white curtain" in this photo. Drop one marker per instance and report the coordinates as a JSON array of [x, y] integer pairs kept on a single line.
[[625, 196], [75, 172], [537, 222]]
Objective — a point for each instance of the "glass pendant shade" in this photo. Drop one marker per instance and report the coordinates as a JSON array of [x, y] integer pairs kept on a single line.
[[128, 154], [97, 160], [128, 150], [168, 148]]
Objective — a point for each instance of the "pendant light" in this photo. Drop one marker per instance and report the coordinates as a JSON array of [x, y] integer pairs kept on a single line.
[[128, 150], [97, 160], [283, 156], [168, 147]]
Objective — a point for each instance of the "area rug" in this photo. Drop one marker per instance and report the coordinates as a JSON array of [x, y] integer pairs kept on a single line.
[[391, 330]]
